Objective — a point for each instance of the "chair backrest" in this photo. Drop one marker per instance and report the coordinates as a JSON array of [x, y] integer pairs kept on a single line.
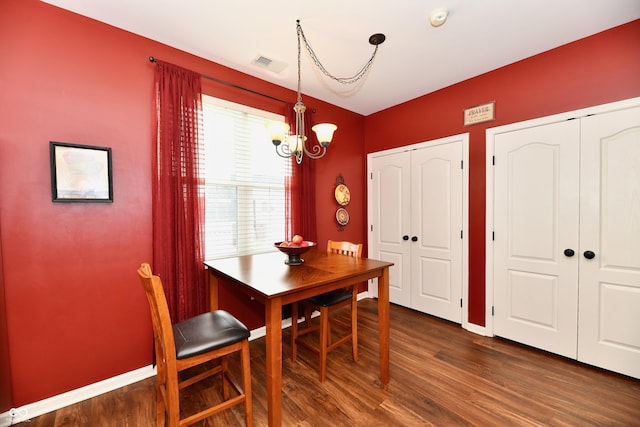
[[345, 248], [162, 329]]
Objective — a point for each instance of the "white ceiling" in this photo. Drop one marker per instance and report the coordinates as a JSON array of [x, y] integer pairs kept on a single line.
[[415, 59]]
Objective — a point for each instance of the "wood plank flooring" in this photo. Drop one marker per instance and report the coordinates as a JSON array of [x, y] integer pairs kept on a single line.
[[441, 375]]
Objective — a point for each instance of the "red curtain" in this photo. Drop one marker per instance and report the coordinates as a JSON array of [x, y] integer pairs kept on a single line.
[[178, 191], [300, 188]]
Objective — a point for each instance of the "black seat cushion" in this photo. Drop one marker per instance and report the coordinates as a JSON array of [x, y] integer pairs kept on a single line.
[[206, 332], [330, 298]]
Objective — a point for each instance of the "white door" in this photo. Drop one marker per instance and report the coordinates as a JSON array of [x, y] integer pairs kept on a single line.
[[436, 227], [390, 217], [417, 211], [536, 218], [609, 320]]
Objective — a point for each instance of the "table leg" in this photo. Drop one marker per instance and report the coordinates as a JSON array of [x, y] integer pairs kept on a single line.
[[383, 324], [273, 325], [213, 291]]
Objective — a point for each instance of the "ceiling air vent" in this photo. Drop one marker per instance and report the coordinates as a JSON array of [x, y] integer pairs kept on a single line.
[[269, 64], [263, 62]]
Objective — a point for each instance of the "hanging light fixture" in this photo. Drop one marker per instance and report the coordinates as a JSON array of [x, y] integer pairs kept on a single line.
[[295, 143]]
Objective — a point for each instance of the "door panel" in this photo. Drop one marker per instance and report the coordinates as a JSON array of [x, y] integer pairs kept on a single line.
[[397, 286], [391, 217], [609, 331], [535, 219], [527, 293], [436, 221]]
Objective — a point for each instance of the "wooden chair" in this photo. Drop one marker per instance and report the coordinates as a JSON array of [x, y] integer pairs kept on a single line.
[[327, 303], [204, 338]]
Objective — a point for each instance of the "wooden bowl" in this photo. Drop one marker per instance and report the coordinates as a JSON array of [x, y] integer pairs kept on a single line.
[[293, 252]]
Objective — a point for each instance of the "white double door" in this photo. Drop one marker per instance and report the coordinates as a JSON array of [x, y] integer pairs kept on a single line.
[[566, 230], [416, 212]]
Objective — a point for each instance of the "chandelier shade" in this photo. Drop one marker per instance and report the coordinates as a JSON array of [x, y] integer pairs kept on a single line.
[[278, 131], [324, 132]]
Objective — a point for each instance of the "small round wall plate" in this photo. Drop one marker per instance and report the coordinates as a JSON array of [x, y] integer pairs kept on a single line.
[[342, 216], [343, 195]]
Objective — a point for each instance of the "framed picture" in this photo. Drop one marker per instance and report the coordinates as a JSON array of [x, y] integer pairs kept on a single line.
[[80, 173]]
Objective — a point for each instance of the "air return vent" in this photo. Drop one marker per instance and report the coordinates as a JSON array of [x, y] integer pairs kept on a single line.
[[263, 62], [270, 64]]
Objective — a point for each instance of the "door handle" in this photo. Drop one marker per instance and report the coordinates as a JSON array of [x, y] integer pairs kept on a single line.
[[589, 254], [405, 237], [414, 239], [569, 252]]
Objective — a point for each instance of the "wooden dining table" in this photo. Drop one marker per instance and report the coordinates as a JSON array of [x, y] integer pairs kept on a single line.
[[267, 278]]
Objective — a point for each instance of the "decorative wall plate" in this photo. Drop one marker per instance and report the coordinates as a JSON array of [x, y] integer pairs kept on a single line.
[[343, 195], [342, 216]]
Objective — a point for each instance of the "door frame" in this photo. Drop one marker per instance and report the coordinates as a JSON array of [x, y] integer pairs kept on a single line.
[[489, 209], [464, 138]]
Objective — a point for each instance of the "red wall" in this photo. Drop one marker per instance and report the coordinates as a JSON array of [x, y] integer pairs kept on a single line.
[[76, 313], [6, 398], [599, 69]]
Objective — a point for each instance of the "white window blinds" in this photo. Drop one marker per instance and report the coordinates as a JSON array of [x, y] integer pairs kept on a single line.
[[245, 194]]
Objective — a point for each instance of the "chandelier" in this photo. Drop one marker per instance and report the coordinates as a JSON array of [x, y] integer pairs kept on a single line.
[[294, 144]]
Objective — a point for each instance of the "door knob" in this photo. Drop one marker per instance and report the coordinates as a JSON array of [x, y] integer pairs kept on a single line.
[[589, 254], [569, 252], [405, 237], [414, 239]]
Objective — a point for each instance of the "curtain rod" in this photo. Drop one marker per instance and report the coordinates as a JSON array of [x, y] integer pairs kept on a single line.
[[152, 59]]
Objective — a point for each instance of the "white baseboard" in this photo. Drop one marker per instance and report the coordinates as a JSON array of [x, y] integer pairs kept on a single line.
[[5, 419], [53, 403], [262, 331], [32, 410], [476, 329]]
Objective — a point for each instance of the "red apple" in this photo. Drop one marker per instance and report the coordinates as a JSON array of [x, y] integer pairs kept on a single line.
[[297, 239], [304, 244]]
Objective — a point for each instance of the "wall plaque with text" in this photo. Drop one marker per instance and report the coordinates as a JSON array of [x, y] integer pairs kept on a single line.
[[480, 113]]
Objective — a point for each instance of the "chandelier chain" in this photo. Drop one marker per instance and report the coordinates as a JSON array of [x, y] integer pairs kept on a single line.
[[299, 55], [344, 80], [295, 144]]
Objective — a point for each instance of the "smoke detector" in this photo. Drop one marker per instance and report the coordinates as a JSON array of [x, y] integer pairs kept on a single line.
[[438, 17]]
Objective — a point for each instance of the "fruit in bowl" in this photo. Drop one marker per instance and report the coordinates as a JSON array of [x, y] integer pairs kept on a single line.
[[294, 248], [295, 241]]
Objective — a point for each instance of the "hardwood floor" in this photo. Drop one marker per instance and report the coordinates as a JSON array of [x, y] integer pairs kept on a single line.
[[441, 375]]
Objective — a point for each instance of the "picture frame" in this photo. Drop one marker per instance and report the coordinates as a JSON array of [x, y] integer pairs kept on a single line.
[[80, 173]]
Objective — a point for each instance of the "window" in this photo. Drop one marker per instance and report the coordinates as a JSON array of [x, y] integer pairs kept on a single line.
[[244, 179]]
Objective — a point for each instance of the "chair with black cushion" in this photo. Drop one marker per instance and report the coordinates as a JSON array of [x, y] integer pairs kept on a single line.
[[209, 337], [327, 303]]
